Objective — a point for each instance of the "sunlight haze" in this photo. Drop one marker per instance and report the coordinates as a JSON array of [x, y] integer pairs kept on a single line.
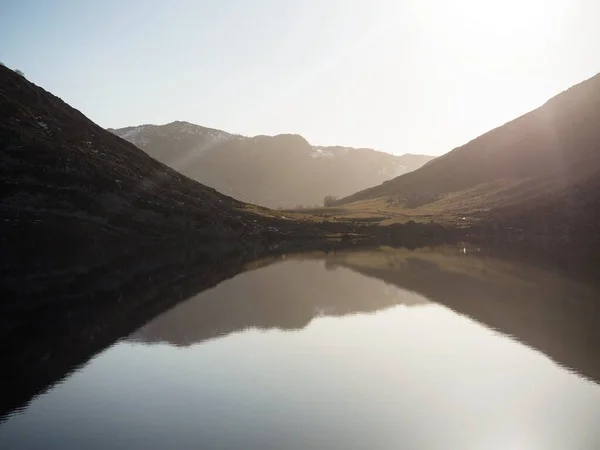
[[410, 76], [277, 224]]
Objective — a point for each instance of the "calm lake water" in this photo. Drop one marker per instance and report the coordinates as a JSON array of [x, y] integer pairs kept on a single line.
[[368, 350]]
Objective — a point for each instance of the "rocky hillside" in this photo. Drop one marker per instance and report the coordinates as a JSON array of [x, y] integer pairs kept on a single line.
[[542, 167], [69, 186], [274, 171]]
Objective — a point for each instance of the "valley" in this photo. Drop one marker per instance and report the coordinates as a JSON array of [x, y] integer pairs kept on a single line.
[[283, 225], [74, 190]]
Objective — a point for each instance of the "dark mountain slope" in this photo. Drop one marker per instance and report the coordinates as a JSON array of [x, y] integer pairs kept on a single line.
[[68, 186], [540, 160], [273, 171]]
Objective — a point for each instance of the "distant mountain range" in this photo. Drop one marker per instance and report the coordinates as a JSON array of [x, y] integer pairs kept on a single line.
[[541, 170], [282, 171]]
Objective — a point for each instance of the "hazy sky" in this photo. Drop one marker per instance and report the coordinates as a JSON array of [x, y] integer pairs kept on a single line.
[[419, 76]]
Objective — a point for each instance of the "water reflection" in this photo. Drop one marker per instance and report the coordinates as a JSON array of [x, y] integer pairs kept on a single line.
[[71, 315], [344, 350], [540, 308], [287, 296]]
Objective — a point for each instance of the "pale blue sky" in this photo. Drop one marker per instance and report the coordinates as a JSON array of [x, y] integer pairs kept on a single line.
[[419, 76]]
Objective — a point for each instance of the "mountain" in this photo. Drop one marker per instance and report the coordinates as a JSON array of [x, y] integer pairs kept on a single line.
[[542, 168], [71, 187], [272, 171]]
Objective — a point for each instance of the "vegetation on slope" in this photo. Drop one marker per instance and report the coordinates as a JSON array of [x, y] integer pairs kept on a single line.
[[542, 170]]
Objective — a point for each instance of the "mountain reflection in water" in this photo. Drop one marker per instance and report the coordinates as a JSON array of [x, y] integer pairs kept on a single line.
[[394, 296], [285, 295], [540, 308]]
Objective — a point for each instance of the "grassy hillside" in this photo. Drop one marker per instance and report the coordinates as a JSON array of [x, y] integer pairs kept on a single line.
[[546, 161]]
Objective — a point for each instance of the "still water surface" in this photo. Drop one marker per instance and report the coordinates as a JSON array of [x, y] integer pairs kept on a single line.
[[307, 353]]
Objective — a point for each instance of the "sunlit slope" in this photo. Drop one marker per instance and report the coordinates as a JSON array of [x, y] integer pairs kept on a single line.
[[548, 158]]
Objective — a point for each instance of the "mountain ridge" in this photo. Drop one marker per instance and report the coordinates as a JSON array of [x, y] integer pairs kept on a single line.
[[141, 127], [284, 170]]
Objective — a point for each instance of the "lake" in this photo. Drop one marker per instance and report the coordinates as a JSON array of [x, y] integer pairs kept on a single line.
[[385, 349]]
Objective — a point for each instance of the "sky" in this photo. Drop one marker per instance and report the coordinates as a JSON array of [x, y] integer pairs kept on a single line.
[[402, 76]]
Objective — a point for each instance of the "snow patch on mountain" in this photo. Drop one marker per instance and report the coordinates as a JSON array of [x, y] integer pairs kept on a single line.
[[196, 130], [319, 153], [129, 133]]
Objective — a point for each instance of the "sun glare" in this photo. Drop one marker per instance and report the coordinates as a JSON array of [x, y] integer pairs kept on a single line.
[[488, 55], [499, 26]]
